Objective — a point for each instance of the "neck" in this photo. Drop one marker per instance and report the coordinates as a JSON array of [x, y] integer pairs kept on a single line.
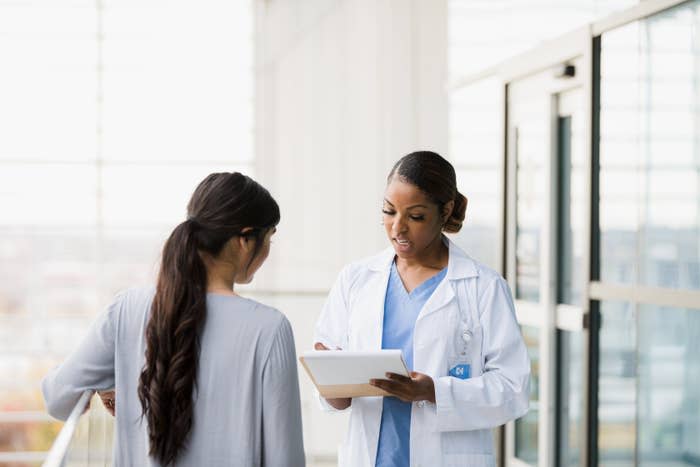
[[435, 256], [220, 276]]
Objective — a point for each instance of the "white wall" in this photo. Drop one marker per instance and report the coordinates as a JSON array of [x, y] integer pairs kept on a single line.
[[344, 88]]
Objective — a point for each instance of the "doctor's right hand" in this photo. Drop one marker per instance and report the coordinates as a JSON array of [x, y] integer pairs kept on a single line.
[[339, 403]]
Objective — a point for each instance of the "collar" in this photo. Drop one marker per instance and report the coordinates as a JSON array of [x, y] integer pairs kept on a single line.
[[459, 264]]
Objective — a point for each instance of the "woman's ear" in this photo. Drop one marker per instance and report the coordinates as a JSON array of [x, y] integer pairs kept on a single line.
[[447, 210], [245, 242]]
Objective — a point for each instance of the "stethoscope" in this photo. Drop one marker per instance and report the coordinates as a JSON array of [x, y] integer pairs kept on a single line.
[[466, 339], [467, 335]]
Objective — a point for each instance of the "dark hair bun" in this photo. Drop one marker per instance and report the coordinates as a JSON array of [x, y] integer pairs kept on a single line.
[[456, 219]]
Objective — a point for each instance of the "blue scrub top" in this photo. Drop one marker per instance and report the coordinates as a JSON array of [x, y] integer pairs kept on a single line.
[[401, 310]]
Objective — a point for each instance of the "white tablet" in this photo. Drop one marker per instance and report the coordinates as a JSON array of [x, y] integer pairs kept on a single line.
[[342, 373]]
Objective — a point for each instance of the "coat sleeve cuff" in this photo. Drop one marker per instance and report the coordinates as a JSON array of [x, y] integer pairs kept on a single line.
[[450, 417], [326, 407], [443, 394], [462, 415]]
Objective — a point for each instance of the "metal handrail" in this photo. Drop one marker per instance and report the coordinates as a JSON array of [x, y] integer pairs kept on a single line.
[[60, 446]]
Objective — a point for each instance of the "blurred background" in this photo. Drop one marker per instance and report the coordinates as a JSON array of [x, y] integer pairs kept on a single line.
[[574, 126]]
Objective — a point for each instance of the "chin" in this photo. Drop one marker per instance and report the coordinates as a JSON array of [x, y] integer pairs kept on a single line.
[[403, 255]]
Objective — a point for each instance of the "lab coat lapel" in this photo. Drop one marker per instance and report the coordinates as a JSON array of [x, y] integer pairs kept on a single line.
[[372, 308], [459, 267], [444, 293]]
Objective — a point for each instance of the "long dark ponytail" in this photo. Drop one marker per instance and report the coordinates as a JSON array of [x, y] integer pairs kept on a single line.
[[220, 208]]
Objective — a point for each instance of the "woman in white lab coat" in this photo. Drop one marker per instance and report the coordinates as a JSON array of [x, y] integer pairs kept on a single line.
[[452, 317]]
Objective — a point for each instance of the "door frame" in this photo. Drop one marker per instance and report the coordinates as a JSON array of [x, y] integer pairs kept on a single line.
[[546, 65], [585, 44]]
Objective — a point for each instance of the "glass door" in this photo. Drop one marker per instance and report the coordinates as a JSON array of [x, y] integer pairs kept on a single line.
[[571, 195], [529, 111], [548, 193]]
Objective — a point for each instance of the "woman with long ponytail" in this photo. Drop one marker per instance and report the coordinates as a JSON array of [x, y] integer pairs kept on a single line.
[[202, 376]]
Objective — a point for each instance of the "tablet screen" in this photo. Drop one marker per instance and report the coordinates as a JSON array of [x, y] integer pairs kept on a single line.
[[336, 367]]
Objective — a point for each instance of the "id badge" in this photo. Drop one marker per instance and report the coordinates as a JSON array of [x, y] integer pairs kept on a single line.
[[459, 368]]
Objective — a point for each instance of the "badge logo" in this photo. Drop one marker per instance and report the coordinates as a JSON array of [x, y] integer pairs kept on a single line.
[[460, 371]]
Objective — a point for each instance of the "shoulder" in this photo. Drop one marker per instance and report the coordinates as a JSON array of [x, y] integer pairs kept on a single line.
[[487, 280], [135, 296], [491, 287], [267, 312], [358, 271], [266, 315], [462, 265], [274, 325], [259, 321], [128, 310], [487, 277], [132, 301]]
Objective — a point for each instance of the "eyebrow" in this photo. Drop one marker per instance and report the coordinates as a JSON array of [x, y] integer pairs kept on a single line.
[[410, 207]]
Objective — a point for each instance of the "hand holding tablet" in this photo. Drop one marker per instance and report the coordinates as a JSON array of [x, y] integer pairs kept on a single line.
[[342, 373]]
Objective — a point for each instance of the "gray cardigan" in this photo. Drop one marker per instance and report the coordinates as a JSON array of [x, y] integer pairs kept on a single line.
[[246, 411]]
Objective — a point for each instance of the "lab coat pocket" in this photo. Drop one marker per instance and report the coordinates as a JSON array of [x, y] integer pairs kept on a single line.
[[343, 455], [468, 460], [465, 443]]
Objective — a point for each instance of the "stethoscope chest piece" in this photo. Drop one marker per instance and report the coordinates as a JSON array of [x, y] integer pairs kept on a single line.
[[466, 339], [467, 336]]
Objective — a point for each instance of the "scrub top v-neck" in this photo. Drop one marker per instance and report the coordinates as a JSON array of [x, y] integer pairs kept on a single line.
[[401, 309]]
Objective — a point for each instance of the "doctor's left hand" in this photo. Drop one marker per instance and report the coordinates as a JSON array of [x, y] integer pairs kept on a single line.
[[419, 387]]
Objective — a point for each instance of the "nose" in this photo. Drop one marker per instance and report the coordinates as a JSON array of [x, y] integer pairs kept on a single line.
[[398, 226]]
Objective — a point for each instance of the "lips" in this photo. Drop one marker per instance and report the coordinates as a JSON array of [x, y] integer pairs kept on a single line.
[[402, 244]]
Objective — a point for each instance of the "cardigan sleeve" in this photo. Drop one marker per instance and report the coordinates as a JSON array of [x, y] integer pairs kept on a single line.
[[89, 367]]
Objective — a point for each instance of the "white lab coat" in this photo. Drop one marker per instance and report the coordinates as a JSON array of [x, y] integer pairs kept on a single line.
[[456, 430]]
